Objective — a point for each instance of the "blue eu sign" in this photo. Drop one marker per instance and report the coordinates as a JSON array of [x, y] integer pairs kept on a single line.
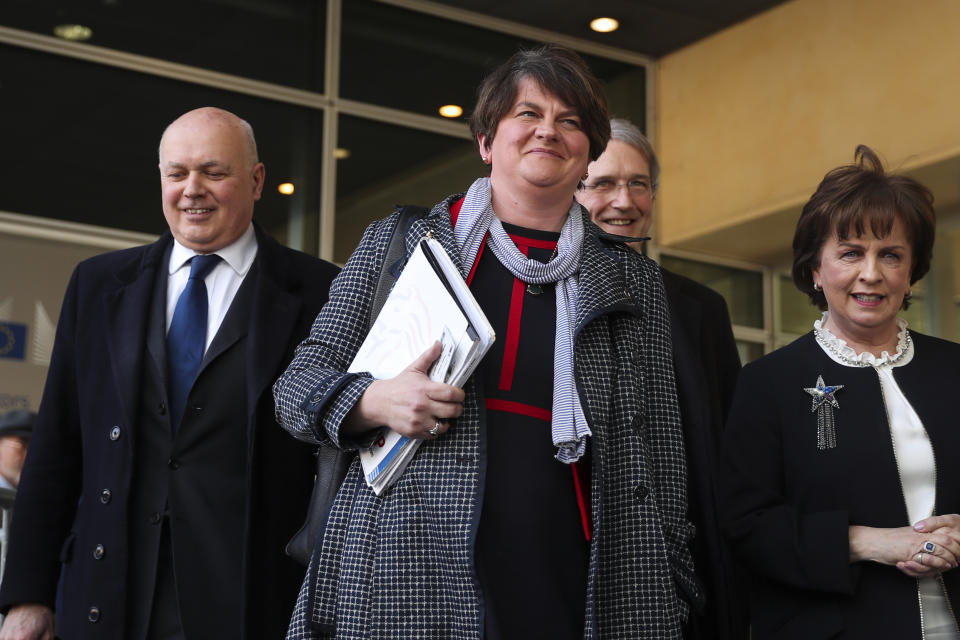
[[13, 340]]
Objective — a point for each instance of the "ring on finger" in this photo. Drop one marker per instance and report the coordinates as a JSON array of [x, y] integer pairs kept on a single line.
[[435, 431], [929, 547], [920, 557]]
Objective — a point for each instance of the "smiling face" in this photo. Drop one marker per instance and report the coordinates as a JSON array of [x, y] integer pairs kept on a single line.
[[618, 192], [209, 179], [539, 144], [864, 280]]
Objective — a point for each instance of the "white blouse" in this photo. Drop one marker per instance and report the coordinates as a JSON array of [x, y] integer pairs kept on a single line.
[[914, 457]]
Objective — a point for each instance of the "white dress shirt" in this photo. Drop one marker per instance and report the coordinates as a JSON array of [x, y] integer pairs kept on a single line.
[[222, 282]]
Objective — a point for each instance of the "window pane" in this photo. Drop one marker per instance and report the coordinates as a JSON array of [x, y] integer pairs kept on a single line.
[[29, 309], [935, 306], [626, 89], [796, 312], [742, 289], [922, 309], [86, 137], [944, 286], [416, 62], [280, 41], [749, 351], [405, 166]]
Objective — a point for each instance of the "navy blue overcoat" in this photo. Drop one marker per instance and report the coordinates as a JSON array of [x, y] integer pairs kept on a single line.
[[83, 443]]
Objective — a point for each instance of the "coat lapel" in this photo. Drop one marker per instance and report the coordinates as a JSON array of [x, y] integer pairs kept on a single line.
[[127, 311], [686, 317], [601, 287], [607, 322], [157, 323], [234, 325]]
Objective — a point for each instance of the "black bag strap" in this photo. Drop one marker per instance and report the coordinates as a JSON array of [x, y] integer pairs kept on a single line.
[[396, 252], [333, 464]]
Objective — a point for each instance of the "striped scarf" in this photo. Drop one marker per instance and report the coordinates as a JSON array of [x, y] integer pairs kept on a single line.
[[475, 221]]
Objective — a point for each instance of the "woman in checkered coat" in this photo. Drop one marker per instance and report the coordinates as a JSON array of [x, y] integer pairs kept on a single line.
[[548, 498]]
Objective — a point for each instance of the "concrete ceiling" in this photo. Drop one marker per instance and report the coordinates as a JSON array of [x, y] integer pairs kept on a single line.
[[651, 27]]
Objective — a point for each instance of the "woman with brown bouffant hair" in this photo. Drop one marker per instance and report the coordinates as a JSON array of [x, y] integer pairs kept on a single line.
[[853, 196], [548, 497], [836, 492]]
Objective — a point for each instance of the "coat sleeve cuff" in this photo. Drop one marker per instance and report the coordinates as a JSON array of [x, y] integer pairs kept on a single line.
[[825, 535], [328, 405]]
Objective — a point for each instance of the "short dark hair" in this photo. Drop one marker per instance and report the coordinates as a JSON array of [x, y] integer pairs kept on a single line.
[[556, 69], [853, 197]]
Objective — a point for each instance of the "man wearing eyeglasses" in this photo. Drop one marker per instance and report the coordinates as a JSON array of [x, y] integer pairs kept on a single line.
[[619, 192]]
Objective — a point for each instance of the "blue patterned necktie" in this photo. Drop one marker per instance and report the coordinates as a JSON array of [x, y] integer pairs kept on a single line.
[[188, 335]]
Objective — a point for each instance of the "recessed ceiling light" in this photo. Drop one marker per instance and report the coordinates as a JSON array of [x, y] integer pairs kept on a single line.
[[341, 154], [76, 32], [286, 188], [604, 25], [451, 111]]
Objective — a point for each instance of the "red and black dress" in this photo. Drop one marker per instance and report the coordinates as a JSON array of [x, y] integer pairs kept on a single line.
[[532, 549]]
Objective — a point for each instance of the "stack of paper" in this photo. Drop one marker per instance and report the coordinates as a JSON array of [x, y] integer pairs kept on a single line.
[[429, 301]]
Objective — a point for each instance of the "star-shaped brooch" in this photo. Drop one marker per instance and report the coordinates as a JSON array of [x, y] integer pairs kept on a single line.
[[823, 393], [824, 402]]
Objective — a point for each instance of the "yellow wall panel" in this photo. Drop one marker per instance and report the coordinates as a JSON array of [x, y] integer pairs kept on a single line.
[[750, 119]]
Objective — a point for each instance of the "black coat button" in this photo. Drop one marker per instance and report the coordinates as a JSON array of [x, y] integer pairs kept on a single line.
[[162, 408], [93, 614], [197, 409], [98, 552], [105, 496], [641, 492], [155, 518], [173, 463], [115, 433]]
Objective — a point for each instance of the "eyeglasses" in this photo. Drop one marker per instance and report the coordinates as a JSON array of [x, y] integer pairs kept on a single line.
[[636, 188]]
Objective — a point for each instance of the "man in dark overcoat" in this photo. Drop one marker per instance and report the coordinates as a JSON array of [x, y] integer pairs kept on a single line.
[[619, 192], [159, 492]]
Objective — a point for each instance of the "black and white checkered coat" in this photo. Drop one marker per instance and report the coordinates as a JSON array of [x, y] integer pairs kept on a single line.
[[401, 565]]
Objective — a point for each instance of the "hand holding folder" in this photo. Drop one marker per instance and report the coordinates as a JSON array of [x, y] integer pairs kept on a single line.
[[429, 302]]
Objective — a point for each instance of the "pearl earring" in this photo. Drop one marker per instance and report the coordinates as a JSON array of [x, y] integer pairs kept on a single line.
[[816, 287]]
